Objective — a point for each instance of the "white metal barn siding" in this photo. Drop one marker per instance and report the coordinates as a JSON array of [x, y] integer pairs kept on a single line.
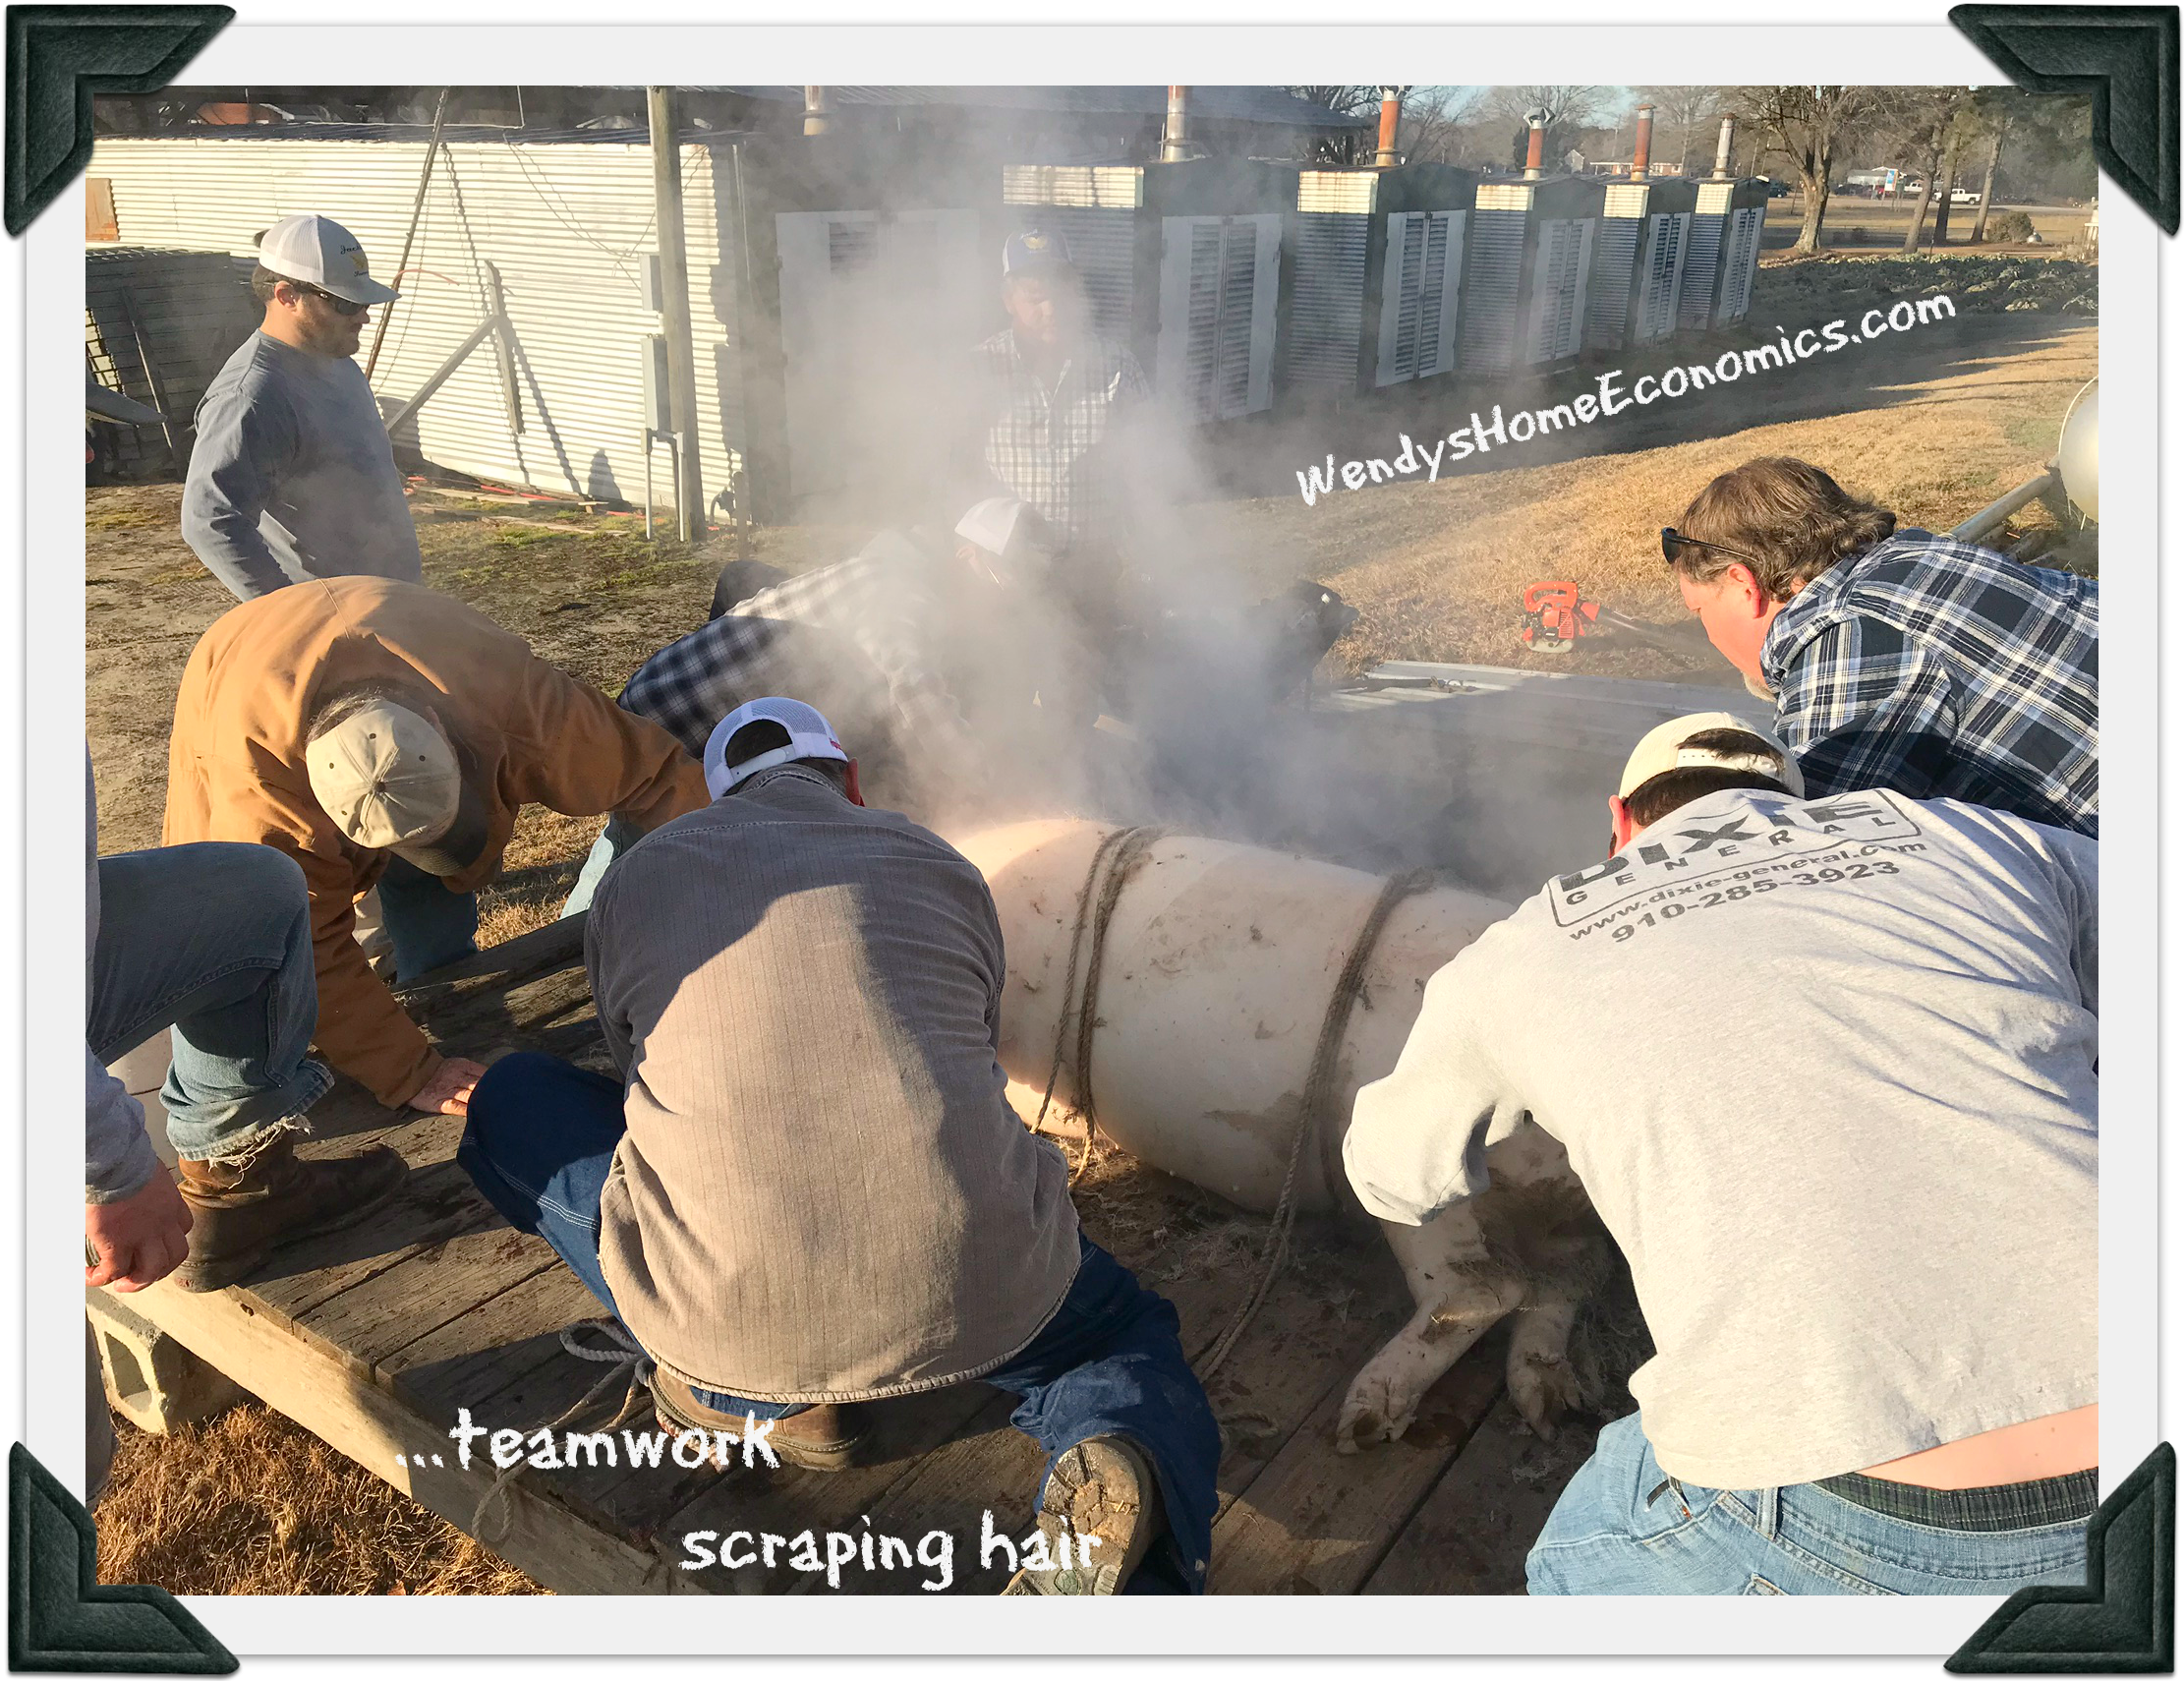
[[1739, 264], [1419, 294], [567, 224], [874, 307], [1218, 284], [1559, 272], [1660, 275], [1497, 267]]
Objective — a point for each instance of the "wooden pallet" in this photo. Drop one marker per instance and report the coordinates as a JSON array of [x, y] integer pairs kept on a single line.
[[374, 1336]]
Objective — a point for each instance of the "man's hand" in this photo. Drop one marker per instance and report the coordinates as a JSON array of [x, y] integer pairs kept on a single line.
[[448, 1091], [138, 1240]]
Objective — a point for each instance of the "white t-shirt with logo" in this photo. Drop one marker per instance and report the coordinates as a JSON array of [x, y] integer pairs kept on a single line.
[[1829, 1071]]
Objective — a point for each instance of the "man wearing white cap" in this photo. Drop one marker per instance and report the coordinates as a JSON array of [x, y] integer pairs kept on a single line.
[[379, 732], [806, 1189], [1828, 1067], [292, 475]]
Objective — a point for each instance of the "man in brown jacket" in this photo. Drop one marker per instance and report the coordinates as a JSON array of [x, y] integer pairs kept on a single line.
[[379, 731]]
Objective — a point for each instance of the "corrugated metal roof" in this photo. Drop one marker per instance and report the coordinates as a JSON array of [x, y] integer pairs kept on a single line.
[[417, 134], [1228, 105], [567, 226]]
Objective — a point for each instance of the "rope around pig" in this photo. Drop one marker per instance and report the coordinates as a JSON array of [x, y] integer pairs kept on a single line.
[[1121, 852], [1318, 1090]]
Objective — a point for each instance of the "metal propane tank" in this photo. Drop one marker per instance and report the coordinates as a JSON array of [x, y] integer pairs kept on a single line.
[[1214, 978]]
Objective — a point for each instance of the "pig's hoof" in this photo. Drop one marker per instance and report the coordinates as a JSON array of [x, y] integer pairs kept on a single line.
[[1376, 1410], [1544, 1389]]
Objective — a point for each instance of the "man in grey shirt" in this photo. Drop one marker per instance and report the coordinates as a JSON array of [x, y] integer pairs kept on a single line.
[[292, 475], [1827, 1069], [806, 1189]]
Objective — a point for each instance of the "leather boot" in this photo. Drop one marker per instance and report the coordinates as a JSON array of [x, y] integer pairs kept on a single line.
[[241, 1206], [824, 1437], [1103, 1487]]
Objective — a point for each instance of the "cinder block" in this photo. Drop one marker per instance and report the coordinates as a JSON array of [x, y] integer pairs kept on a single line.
[[152, 1380]]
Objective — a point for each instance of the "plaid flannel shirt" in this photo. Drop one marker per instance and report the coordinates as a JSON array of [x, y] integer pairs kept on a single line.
[[872, 605], [1041, 445], [1943, 670]]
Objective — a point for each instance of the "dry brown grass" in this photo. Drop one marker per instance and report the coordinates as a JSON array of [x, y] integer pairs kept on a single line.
[[1437, 570], [251, 1503]]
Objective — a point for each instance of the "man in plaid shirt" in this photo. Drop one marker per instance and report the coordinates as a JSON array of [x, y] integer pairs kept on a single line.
[[898, 638], [1898, 659], [1055, 390]]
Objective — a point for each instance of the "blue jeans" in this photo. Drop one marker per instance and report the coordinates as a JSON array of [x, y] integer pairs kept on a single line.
[[540, 1140], [1616, 1529], [614, 839], [213, 940], [429, 924]]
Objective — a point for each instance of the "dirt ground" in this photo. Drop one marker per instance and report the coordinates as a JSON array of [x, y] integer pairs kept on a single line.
[[1937, 430]]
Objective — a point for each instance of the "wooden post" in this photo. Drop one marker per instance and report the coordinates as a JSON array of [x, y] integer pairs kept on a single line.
[[674, 312], [416, 209]]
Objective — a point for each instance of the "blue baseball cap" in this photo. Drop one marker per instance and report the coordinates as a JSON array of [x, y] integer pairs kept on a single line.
[[1035, 251]]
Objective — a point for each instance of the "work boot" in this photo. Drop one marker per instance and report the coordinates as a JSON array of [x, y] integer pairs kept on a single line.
[[818, 1438], [1101, 1487], [241, 1206]]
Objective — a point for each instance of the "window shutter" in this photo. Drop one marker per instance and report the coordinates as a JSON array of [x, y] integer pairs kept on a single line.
[[1451, 281], [1266, 286], [1390, 368]]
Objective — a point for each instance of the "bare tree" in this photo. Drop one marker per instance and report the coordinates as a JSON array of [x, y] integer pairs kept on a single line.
[[1682, 112], [1434, 123], [1805, 126], [1569, 110], [1351, 147]]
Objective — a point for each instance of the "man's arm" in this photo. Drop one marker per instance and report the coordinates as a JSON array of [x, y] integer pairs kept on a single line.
[[361, 1030], [118, 1157], [614, 1021], [590, 756], [242, 448], [1866, 706], [1417, 1139]]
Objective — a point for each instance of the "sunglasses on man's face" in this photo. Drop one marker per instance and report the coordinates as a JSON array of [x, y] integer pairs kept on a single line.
[[341, 305], [1674, 542]]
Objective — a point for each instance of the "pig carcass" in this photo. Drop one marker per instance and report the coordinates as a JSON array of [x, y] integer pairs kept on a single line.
[[1217, 971]]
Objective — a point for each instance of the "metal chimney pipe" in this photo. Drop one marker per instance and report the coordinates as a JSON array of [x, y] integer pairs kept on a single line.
[[1535, 147], [1728, 139], [1641, 152], [1391, 113], [816, 111], [1174, 146]]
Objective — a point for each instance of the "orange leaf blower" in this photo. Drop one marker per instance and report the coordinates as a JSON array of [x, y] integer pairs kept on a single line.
[[1555, 617]]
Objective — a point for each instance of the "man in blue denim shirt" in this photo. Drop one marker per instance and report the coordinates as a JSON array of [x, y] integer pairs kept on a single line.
[[1898, 659]]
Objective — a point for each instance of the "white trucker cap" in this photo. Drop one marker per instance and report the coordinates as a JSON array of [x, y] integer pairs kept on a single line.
[[810, 736], [1006, 528], [392, 783], [1668, 747], [320, 252]]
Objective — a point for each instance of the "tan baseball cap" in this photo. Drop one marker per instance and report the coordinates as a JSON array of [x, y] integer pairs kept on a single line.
[[1668, 747], [392, 783]]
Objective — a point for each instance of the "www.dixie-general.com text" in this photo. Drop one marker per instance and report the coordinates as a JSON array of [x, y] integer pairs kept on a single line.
[[1525, 424]]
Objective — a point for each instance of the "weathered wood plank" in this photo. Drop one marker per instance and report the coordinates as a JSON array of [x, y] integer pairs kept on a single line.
[[439, 1203], [1318, 1522], [369, 1321], [359, 1419], [470, 1359], [1471, 1535], [497, 967]]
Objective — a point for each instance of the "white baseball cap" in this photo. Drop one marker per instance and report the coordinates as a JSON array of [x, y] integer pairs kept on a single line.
[[1003, 526], [810, 736], [320, 252], [392, 783], [1669, 747]]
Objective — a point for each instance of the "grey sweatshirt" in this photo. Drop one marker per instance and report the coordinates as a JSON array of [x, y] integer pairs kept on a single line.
[[1827, 1069], [118, 1158], [823, 1194], [292, 475]]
